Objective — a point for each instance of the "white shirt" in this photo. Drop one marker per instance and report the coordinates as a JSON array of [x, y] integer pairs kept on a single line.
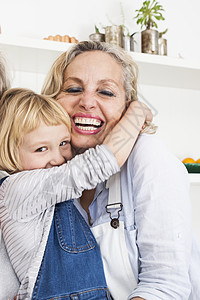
[[157, 213], [27, 201]]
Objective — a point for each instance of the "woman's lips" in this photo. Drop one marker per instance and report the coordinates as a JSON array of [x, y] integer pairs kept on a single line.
[[86, 124]]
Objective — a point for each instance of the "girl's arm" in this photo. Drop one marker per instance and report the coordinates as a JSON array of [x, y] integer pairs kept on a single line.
[[124, 135], [29, 193]]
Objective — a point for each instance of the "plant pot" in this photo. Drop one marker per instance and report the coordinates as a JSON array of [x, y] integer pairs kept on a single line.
[[162, 46], [128, 43], [114, 35], [150, 41], [97, 37]]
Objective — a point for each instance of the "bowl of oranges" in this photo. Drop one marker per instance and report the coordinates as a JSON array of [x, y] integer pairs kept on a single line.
[[192, 166]]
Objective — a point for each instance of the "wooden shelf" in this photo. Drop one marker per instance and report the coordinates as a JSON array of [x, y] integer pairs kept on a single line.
[[35, 55]]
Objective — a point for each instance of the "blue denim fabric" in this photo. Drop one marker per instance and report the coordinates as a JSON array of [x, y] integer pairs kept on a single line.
[[2, 180], [71, 267]]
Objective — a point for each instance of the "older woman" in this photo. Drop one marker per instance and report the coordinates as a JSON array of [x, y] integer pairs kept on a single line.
[[141, 219]]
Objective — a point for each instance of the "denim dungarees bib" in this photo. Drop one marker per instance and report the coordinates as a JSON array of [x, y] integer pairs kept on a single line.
[[72, 267]]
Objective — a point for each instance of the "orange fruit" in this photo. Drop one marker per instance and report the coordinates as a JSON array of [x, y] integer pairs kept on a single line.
[[198, 161], [189, 160]]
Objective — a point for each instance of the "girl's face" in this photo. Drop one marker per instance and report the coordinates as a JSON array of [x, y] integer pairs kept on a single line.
[[45, 147], [94, 97]]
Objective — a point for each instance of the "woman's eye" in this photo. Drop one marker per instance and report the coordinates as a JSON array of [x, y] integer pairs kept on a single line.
[[41, 149], [74, 90], [106, 93]]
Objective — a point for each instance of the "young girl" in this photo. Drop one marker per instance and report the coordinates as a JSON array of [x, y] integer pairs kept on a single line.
[[35, 135]]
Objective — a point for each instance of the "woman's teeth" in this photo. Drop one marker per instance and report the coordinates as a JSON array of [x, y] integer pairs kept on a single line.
[[89, 128], [87, 124], [87, 121]]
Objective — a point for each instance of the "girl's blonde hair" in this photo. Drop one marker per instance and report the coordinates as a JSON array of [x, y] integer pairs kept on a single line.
[[21, 111], [54, 80]]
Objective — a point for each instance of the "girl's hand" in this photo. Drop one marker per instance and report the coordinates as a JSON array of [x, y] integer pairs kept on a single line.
[[123, 136], [137, 110]]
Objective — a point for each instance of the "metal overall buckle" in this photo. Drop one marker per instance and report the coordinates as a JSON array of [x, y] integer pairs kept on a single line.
[[114, 221]]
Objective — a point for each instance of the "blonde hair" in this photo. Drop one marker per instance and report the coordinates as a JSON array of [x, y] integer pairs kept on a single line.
[[21, 111], [54, 80]]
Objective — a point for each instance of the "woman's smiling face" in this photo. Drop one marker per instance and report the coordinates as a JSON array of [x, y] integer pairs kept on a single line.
[[93, 95]]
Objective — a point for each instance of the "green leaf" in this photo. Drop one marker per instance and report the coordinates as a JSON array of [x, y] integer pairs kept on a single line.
[[96, 29], [149, 13]]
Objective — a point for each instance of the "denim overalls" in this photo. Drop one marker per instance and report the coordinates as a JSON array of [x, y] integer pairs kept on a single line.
[[72, 267]]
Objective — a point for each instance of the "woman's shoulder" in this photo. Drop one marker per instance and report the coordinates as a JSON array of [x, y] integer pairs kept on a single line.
[[152, 141], [151, 153], [151, 147]]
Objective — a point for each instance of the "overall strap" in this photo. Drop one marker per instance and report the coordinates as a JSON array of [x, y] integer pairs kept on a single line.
[[114, 198]]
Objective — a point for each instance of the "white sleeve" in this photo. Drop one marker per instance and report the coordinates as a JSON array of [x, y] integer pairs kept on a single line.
[[29, 193], [163, 222], [3, 174]]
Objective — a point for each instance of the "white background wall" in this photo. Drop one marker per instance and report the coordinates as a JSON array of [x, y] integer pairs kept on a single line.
[[178, 109], [40, 18]]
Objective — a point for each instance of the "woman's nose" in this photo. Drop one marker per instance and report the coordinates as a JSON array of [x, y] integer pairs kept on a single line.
[[88, 101]]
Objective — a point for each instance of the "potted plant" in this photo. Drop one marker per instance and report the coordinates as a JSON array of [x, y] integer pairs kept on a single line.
[[147, 16], [97, 36]]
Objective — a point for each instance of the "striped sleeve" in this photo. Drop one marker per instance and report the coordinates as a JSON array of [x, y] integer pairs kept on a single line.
[[26, 194]]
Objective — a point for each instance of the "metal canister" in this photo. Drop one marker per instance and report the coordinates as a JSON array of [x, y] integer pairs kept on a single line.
[[150, 41], [162, 46], [97, 37], [114, 35], [127, 42]]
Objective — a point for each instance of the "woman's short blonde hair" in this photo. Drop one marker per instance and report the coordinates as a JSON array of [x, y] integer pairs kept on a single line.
[[21, 111], [54, 80]]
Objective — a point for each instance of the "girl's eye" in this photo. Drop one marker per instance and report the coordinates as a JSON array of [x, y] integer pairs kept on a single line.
[[41, 149], [64, 143], [74, 90], [106, 93]]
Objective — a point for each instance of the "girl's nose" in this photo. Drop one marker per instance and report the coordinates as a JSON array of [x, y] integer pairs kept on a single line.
[[57, 159]]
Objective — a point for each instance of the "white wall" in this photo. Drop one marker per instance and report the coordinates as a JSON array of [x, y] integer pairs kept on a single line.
[[177, 109], [40, 18]]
